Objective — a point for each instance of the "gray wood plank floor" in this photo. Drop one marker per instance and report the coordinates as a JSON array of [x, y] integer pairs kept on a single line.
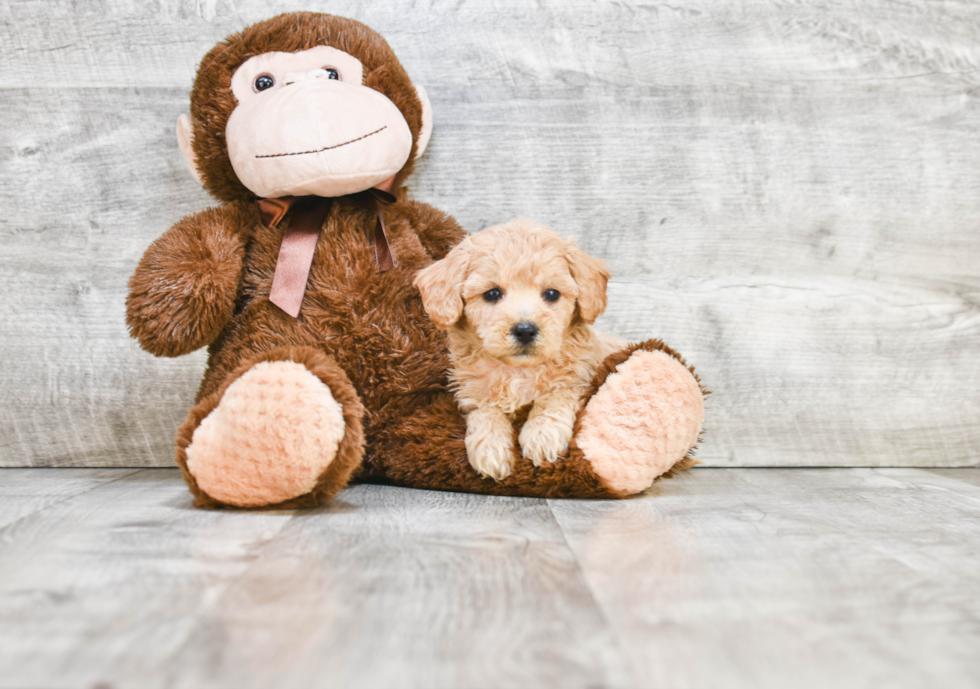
[[719, 578]]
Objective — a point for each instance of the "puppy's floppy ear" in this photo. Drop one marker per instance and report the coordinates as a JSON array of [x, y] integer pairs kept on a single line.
[[591, 276], [441, 285]]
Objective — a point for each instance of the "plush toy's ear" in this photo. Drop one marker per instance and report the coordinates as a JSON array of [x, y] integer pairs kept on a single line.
[[185, 136], [426, 132], [441, 286], [591, 276]]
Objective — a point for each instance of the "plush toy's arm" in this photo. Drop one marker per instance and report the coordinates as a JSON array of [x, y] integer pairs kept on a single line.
[[183, 291], [438, 231]]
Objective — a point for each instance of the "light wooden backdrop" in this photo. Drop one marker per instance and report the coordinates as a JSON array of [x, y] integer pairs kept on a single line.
[[786, 191]]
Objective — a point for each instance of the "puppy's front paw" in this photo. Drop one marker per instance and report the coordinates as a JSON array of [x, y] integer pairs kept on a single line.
[[491, 454], [543, 439]]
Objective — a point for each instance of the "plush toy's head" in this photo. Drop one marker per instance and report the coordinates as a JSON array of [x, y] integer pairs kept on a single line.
[[302, 104]]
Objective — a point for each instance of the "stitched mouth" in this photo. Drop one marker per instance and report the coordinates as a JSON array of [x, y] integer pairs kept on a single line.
[[325, 148]]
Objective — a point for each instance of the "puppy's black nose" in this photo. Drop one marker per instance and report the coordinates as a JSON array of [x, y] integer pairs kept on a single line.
[[524, 332]]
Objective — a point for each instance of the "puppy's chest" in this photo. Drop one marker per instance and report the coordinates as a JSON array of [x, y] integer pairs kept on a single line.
[[508, 388]]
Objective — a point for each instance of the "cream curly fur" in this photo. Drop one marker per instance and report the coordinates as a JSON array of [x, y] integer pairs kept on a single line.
[[494, 373]]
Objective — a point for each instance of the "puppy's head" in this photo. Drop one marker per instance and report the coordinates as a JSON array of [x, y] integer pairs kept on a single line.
[[515, 288]]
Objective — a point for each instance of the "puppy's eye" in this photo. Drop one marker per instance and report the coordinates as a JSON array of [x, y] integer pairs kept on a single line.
[[332, 73], [551, 295], [263, 82], [493, 295]]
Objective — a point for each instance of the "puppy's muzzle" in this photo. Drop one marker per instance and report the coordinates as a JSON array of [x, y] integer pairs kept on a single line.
[[525, 333]]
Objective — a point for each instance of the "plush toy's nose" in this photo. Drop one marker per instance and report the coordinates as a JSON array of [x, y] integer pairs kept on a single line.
[[524, 332], [307, 75]]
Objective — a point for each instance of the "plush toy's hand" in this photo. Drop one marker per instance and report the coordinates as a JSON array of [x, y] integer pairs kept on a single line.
[[183, 291], [489, 442], [543, 439]]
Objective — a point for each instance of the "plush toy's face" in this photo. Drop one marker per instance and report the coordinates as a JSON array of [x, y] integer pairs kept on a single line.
[[317, 120], [341, 137]]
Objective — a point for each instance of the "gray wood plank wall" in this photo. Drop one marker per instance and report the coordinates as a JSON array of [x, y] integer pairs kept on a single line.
[[787, 192]]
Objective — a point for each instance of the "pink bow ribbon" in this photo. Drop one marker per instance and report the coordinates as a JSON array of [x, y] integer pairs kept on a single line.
[[300, 238]]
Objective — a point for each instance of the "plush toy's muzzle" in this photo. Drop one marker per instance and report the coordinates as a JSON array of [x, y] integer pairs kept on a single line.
[[341, 139]]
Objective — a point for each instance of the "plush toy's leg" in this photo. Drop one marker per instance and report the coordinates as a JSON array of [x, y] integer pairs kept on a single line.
[[283, 430], [643, 419], [426, 449]]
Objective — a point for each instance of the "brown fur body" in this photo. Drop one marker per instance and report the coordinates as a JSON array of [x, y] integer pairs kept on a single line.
[[362, 332]]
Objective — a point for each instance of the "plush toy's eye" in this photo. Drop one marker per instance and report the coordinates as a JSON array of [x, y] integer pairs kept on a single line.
[[551, 295], [332, 73], [263, 82], [493, 295]]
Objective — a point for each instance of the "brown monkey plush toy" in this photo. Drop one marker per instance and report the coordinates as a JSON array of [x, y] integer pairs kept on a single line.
[[323, 367]]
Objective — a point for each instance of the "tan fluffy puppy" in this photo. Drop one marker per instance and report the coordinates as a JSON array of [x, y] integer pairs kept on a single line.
[[517, 301]]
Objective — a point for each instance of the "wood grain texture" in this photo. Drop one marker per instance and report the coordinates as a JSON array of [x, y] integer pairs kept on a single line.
[[722, 578], [971, 476], [397, 588], [786, 192], [26, 491], [81, 210], [108, 585], [129, 586], [789, 577]]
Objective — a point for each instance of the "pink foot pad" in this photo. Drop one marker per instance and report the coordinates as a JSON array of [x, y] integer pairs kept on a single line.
[[642, 420], [275, 431]]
